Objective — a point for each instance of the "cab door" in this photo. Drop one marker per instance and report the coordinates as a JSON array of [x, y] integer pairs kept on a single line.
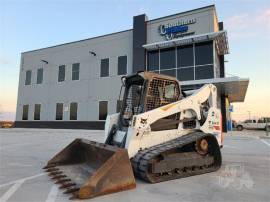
[[253, 124], [248, 124]]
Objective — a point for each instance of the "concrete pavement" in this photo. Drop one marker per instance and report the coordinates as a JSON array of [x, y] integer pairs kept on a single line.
[[244, 176]]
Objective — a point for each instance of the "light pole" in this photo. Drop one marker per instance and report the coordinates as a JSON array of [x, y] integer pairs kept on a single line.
[[248, 115]]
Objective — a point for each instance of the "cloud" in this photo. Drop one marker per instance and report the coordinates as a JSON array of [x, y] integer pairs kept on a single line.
[[264, 17], [247, 25]]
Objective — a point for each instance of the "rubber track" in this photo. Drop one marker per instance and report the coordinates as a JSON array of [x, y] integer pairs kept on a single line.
[[142, 159]]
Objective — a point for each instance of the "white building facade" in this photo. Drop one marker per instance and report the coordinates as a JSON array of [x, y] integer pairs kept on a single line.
[[75, 85]]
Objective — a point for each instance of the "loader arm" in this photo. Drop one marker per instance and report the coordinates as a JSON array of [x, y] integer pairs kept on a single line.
[[193, 102]]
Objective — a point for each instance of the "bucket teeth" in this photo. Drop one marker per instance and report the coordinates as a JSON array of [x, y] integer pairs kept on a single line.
[[67, 185], [86, 169], [58, 177], [52, 169], [72, 190], [49, 166], [55, 173], [62, 181]]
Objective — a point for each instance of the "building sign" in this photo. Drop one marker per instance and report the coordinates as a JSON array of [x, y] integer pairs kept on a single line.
[[177, 29]]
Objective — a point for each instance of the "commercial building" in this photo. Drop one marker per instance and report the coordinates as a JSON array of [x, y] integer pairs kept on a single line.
[[75, 85]]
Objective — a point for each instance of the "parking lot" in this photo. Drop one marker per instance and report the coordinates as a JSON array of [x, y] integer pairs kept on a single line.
[[244, 175]]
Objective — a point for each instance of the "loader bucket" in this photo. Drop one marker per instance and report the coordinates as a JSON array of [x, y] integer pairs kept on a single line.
[[88, 169]]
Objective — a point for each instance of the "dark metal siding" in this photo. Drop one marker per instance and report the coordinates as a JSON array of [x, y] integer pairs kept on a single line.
[[221, 57], [223, 112], [223, 97], [139, 39]]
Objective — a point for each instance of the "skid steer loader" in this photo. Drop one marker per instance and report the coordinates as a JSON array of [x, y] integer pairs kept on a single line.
[[160, 134]]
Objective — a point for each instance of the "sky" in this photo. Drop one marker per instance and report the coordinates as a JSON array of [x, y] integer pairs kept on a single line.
[[31, 24]]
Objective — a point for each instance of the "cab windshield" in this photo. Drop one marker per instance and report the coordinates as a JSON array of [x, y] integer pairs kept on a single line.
[[133, 100]]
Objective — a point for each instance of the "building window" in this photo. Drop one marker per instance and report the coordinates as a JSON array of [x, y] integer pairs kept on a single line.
[[204, 68], [122, 65], [204, 72], [28, 75], [37, 111], [61, 73], [25, 112], [169, 72], [118, 105], [185, 56], [204, 53], [103, 110], [185, 63], [167, 58], [59, 111], [104, 67], [73, 111], [188, 62], [39, 75], [185, 74], [153, 60], [75, 71]]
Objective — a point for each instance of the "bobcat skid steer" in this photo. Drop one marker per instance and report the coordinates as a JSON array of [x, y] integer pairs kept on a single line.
[[160, 134]]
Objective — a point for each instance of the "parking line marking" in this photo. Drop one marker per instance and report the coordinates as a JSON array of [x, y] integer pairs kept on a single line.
[[11, 191], [27, 178], [265, 142], [52, 194]]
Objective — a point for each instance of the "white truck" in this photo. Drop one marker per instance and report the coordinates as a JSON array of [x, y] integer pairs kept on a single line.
[[262, 123]]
